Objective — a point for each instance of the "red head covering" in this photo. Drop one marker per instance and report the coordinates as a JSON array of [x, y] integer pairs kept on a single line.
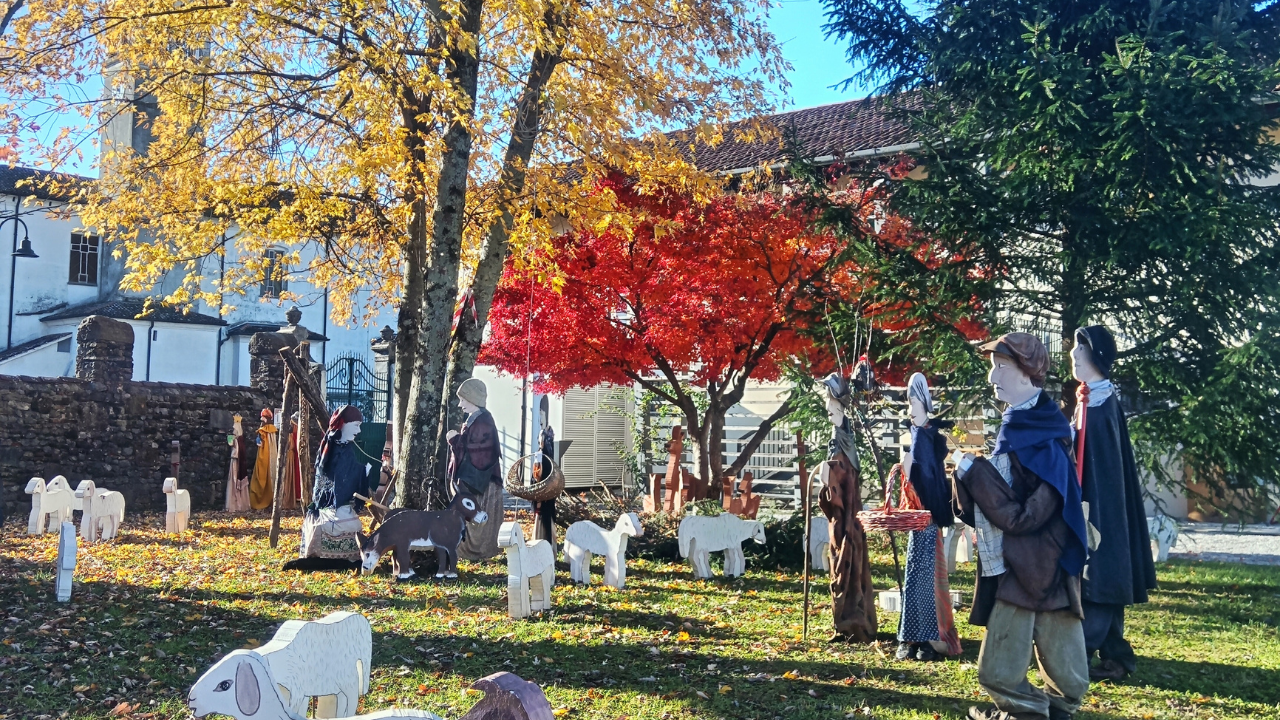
[[266, 415], [341, 417]]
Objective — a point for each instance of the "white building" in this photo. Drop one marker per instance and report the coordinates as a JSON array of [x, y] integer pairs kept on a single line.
[[58, 274]]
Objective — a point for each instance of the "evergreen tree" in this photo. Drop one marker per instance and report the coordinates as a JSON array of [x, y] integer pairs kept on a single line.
[[1104, 161]]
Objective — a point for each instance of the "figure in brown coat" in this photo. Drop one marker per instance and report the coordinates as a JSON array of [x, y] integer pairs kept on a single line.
[[853, 606], [405, 530], [675, 448]]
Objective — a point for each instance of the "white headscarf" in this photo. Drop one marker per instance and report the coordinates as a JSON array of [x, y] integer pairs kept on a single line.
[[918, 388]]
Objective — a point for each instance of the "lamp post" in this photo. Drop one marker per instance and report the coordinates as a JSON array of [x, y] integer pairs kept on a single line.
[[23, 251]]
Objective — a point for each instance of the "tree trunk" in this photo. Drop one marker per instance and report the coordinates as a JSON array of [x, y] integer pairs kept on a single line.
[[440, 279], [715, 451], [493, 253], [408, 322], [1074, 298]]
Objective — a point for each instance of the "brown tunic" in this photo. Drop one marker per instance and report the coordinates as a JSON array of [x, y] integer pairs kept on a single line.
[[475, 462], [1029, 512], [853, 605]]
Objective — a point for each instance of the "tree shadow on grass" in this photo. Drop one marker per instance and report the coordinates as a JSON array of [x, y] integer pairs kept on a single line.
[[1250, 684]]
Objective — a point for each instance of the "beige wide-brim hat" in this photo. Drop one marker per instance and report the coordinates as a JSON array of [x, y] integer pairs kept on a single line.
[[473, 391]]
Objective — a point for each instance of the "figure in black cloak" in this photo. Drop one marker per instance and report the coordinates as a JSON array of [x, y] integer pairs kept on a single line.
[[926, 627], [330, 526], [1120, 569], [340, 473]]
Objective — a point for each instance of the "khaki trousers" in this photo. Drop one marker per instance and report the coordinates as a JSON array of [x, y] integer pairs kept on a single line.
[[1057, 640]]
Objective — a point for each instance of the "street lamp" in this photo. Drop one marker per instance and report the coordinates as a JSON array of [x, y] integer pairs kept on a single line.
[[19, 251]]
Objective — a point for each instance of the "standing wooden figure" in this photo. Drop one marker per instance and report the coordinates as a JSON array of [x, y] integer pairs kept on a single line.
[[238, 473], [585, 538], [178, 507], [675, 448], [853, 607]]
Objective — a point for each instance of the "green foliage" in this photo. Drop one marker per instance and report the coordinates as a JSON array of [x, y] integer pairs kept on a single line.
[[1098, 162]]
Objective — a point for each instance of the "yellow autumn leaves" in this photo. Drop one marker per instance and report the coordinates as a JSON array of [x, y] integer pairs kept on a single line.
[[311, 128]]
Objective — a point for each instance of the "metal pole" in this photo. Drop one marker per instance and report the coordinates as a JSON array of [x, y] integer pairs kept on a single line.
[[13, 274], [808, 522], [351, 379]]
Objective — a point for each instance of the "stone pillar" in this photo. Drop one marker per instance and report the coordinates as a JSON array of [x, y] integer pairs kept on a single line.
[[384, 366], [104, 350], [293, 316], [266, 369]]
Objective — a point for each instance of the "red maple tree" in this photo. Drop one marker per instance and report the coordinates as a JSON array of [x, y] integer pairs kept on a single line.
[[689, 301]]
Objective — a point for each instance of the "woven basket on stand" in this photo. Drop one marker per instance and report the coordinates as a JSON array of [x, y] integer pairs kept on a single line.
[[887, 518], [548, 489]]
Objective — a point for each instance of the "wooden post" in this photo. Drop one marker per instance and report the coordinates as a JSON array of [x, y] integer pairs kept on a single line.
[[282, 457], [175, 458], [304, 436], [808, 523]]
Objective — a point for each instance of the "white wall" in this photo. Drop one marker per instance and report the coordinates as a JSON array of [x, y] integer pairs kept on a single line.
[[41, 282], [41, 362]]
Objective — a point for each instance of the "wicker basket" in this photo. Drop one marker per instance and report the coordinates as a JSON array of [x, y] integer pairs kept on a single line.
[[548, 489], [887, 518]]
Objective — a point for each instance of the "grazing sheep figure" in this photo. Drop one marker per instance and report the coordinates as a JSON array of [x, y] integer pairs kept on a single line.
[[585, 538], [1164, 535], [700, 535], [241, 686], [327, 659], [50, 505], [531, 568], [103, 512], [819, 543], [179, 507]]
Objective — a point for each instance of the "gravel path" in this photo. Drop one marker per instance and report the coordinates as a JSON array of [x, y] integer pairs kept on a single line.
[[1251, 545]]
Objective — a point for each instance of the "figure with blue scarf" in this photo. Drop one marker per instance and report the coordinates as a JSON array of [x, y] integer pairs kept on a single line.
[[1120, 570], [1026, 508]]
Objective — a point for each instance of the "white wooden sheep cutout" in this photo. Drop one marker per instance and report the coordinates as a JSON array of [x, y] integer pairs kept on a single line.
[[103, 512], [327, 659], [66, 560], [701, 535], [179, 507], [819, 543], [242, 686], [49, 505], [958, 543], [60, 483], [531, 570], [1163, 531], [585, 538]]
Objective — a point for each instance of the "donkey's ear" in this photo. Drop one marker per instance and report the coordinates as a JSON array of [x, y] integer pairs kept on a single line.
[[248, 694], [361, 538]]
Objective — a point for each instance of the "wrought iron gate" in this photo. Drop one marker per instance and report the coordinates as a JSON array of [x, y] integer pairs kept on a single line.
[[350, 381]]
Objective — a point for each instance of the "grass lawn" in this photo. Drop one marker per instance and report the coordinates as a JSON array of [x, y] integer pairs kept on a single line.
[[150, 613]]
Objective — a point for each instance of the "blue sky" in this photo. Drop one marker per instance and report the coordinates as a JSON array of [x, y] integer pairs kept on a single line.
[[818, 64]]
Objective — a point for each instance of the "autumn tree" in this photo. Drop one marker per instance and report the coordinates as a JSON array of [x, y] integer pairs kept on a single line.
[[689, 300], [411, 143]]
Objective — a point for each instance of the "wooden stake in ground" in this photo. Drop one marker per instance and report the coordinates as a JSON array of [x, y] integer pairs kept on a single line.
[[305, 413], [808, 525], [282, 457]]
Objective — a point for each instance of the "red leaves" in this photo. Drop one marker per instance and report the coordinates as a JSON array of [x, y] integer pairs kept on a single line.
[[706, 289]]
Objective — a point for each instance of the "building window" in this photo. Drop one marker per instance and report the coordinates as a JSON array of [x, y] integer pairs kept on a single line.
[[64, 346], [274, 283], [84, 259]]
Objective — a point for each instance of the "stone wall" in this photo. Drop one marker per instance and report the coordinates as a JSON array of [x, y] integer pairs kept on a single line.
[[119, 434]]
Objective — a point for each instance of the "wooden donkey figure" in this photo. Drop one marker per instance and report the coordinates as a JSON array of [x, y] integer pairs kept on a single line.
[[406, 530]]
